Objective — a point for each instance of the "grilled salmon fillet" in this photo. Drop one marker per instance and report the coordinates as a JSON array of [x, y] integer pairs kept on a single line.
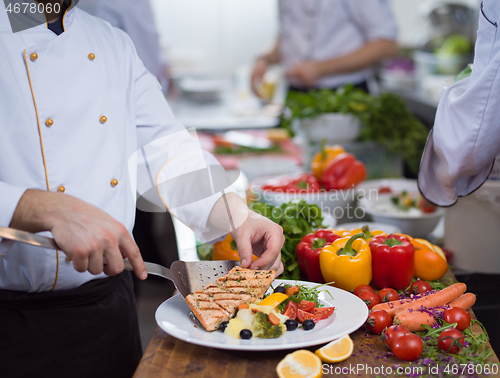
[[217, 302]]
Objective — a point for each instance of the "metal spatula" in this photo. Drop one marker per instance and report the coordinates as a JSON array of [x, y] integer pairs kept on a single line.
[[186, 276]]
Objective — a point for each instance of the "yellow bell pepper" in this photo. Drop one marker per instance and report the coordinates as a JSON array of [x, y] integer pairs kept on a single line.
[[342, 232], [227, 250], [347, 262], [323, 157]]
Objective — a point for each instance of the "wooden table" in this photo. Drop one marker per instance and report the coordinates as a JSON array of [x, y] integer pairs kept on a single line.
[[167, 356]]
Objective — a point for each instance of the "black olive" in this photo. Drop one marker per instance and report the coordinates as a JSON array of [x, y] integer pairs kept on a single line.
[[280, 289], [291, 325], [246, 334], [308, 324], [223, 326]]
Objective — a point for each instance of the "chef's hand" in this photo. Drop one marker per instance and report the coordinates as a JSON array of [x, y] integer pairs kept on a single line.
[[306, 73], [85, 233], [259, 70], [261, 237]]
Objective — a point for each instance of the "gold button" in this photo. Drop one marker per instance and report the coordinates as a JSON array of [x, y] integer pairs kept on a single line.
[[91, 56], [49, 122], [34, 56], [114, 182], [103, 119], [61, 189]]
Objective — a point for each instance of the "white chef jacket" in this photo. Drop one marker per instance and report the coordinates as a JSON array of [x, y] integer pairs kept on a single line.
[[54, 93], [135, 17], [465, 139], [325, 29]]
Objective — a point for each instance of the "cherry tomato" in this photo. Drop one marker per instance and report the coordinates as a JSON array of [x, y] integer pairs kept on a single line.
[[361, 288], [457, 315], [306, 306], [292, 290], [419, 287], [291, 310], [378, 321], [407, 347], [323, 312], [426, 207], [388, 294], [369, 297], [393, 332], [450, 340], [384, 189], [303, 315]]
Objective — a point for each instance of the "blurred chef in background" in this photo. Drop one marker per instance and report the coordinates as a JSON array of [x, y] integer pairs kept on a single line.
[[329, 43], [135, 17], [462, 146]]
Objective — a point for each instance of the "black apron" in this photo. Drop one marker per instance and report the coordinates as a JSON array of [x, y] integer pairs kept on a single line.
[[89, 331]]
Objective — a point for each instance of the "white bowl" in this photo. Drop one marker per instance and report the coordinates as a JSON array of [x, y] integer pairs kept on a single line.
[[335, 127], [333, 202], [203, 90], [414, 223]]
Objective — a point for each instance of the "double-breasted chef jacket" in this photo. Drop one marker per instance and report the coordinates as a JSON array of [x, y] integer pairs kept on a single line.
[[325, 29], [462, 146], [74, 108]]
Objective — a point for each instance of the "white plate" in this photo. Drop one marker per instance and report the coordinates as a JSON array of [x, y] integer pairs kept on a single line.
[[350, 314]]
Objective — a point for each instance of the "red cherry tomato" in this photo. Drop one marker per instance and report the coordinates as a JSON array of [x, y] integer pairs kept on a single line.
[[378, 321], [369, 297], [388, 294], [407, 347], [303, 315], [361, 288], [384, 189], [457, 315], [426, 207], [322, 312], [291, 310], [306, 306], [419, 287], [451, 340], [393, 332]]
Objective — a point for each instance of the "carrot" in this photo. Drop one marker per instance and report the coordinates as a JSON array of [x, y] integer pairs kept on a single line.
[[392, 306], [413, 320], [465, 301], [243, 306], [437, 299]]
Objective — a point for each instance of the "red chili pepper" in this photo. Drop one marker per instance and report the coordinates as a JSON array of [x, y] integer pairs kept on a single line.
[[392, 261], [303, 183], [308, 251], [343, 172]]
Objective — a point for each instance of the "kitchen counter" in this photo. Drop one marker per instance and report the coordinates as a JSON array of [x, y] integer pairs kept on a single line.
[[167, 356]]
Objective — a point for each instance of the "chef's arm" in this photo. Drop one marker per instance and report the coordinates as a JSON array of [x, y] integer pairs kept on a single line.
[[85, 233], [253, 233], [263, 62], [371, 53]]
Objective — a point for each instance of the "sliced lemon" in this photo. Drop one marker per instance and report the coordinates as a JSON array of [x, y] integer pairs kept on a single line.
[[300, 364], [336, 351], [273, 300]]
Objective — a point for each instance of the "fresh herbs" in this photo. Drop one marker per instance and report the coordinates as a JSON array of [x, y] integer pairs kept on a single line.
[[386, 119], [310, 294], [298, 219]]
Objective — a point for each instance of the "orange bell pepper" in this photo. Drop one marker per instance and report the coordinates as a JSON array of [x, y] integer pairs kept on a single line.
[[323, 157], [227, 250]]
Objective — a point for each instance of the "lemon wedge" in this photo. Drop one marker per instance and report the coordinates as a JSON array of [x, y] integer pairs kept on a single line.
[[336, 351], [273, 300], [300, 364]]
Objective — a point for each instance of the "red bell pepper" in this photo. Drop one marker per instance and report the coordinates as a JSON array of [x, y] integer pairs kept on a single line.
[[392, 261], [343, 172], [308, 251]]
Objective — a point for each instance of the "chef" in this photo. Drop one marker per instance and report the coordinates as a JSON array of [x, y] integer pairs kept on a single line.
[[462, 146], [76, 106], [329, 43]]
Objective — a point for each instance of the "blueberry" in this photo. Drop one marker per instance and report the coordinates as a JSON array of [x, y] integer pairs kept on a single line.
[[308, 324], [280, 289], [291, 325], [223, 326], [246, 334]]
